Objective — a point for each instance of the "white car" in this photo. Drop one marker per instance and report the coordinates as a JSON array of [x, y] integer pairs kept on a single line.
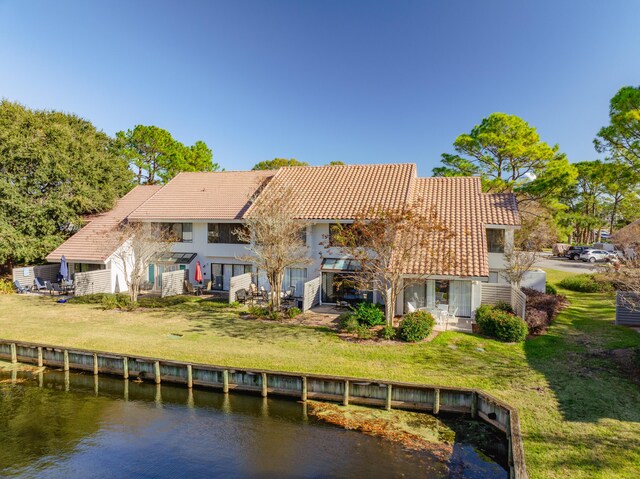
[[593, 255]]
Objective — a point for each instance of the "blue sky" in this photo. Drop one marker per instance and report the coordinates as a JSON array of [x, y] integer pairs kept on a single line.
[[357, 81]]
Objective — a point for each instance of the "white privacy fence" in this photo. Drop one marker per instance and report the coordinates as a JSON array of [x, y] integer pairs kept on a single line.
[[173, 283], [26, 274], [627, 309], [237, 283], [311, 295], [93, 282], [493, 293]]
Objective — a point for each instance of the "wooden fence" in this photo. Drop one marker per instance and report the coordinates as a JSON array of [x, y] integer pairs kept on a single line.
[[370, 392], [493, 293], [627, 309], [26, 274], [173, 283], [93, 282], [311, 294], [242, 281]]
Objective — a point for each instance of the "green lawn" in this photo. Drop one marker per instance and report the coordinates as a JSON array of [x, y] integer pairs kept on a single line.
[[580, 413]]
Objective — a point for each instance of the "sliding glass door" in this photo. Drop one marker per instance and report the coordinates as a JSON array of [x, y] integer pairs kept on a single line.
[[453, 296]]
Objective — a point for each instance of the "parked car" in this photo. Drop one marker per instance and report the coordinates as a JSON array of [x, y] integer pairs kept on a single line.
[[574, 252], [593, 255], [616, 254]]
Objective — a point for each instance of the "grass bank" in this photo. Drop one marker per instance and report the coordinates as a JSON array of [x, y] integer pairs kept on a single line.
[[578, 407]]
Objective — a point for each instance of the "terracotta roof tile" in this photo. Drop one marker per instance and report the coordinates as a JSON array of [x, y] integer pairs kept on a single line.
[[342, 192], [460, 204], [98, 240], [203, 196]]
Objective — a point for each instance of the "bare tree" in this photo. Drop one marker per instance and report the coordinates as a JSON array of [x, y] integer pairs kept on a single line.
[[384, 241], [517, 263], [276, 237], [625, 273], [141, 244]]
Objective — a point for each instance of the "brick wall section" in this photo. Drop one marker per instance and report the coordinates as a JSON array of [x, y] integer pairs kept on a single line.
[[242, 281], [93, 282], [311, 295], [173, 283]]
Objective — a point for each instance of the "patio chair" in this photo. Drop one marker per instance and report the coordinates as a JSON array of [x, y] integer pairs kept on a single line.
[[56, 289], [47, 284], [38, 284], [188, 287], [19, 288], [241, 296]]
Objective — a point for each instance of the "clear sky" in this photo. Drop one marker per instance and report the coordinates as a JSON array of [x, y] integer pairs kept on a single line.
[[357, 81]]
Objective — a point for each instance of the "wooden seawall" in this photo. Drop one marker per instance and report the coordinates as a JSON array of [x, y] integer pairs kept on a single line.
[[370, 392]]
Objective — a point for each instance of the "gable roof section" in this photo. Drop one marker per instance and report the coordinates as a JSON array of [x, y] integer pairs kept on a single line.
[[461, 205], [203, 196], [341, 192], [98, 240]]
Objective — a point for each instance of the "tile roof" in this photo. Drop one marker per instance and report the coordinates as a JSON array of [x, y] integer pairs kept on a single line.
[[203, 196], [97, 240], [461, 205], [341, 192]]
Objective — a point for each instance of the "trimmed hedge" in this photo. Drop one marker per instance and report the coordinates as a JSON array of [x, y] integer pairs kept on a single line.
[[416, 326], [585, 283], [501, 325], [550, 289]]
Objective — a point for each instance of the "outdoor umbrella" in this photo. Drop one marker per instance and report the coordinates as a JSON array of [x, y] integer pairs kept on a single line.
[[64, 270], [198, 277]]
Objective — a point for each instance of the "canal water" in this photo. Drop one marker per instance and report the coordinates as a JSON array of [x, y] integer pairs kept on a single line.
[[81, 426]]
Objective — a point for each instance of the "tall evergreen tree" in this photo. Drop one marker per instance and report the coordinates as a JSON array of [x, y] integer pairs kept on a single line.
[[54, 168]]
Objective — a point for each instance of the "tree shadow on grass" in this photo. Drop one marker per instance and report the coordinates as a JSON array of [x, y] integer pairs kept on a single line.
[[577, 359], [230, 323]]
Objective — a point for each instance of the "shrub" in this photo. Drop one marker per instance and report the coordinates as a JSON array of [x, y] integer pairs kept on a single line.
[[537, 320], [416, 326], [551, 289], [368, 314], [585, 283], [234, 305], [503, 306], [542, 303], [109, 302], [158, 302], [258, 311], [293, 312], [273, 315], [6, 286], [363, 332], [500, 324], [348, 322], [388, 332]]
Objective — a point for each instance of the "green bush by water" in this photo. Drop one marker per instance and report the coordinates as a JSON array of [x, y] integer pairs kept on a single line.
[[416, 326], [500, 325]]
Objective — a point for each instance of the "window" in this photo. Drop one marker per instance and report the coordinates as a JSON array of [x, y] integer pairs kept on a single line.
[[225, 233], [495, 240], [295, 277], [179, 232], [221, 274], [442, 291]]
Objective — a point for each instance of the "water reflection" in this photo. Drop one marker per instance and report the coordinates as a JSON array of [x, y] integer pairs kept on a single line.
[[61, 425]]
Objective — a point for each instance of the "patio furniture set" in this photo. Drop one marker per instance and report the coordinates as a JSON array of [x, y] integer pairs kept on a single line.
[[253, 294], [61, 287]]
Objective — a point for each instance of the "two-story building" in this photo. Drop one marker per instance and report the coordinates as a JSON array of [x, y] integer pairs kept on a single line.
[[205, 211]]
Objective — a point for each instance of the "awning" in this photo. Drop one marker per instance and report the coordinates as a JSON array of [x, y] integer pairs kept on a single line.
[[177, 258], [337, 264]]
